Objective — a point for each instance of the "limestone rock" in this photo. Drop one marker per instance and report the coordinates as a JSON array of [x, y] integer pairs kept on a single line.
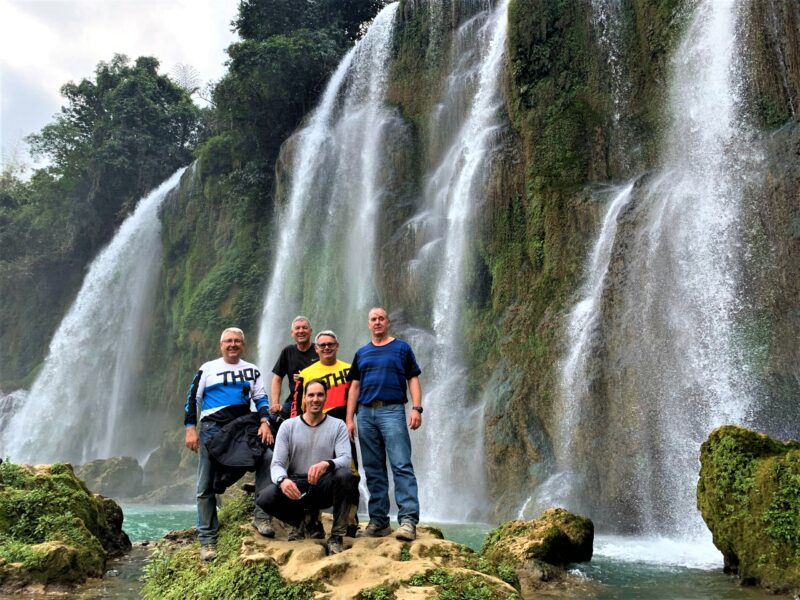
[[367, 568], [53, 530], [118, 476], [749, 496]]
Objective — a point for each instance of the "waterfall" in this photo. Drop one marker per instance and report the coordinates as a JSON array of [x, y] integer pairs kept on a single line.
[[324, 258], [80, 406], [668, 367], [343, 171], [471, 107]]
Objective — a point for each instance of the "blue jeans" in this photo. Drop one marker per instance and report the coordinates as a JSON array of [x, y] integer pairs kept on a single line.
[[207, 523], [383, 432]]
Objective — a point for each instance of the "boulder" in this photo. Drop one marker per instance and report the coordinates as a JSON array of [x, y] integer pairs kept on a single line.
[[118, 476], [53, 530], [749, 496]]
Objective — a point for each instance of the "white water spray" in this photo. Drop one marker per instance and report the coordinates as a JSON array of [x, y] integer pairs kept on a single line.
[[327, 231], [78, 406]]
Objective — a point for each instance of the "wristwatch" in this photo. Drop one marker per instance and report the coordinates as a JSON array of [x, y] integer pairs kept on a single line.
[[279, 480], [417, 408]]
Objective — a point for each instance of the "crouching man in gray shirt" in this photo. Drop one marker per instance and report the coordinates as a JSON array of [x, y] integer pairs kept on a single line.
[[311, 467]]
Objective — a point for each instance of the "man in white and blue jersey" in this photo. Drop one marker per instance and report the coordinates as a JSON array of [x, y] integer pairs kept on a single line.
[[222, 391], [381, 373]]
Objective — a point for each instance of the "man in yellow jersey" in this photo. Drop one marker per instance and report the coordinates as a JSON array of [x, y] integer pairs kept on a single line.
[[333, 372]]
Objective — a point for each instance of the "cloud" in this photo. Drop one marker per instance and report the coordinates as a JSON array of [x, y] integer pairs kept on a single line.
[[45, 43]]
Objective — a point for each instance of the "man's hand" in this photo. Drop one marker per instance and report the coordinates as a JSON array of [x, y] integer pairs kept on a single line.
[[275, 407], [265, 433], [414, 419], [192, 440], [351, 429], [316, 471], [290, 489]]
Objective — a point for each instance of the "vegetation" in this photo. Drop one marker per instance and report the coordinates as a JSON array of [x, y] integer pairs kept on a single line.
[[181, 574], [749, 496], [118, 135], [52, 529]]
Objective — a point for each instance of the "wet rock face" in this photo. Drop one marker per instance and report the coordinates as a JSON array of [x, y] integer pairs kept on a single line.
[[749, 496], [53, 530], [119, 476]]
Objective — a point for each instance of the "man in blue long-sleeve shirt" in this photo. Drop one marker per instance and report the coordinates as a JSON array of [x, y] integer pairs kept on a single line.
[[222, 391]]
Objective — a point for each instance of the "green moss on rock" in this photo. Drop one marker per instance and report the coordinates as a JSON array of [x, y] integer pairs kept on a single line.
[[52, 528], [180, 574], [749, 496]]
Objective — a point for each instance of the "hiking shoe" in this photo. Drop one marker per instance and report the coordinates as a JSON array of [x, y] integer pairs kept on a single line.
[[375, 530], [296, 534], [315, 530], [208, 552], [352, 530], [407, 532], [335, 545], [264, 527]]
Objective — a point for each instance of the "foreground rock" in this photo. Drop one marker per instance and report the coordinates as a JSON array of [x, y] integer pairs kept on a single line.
[[53, 531], [249, 565], [749, 496]]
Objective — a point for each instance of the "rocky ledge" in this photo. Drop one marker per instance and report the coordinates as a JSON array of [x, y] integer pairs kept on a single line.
[[749, 496], [54, 532], [249, 565]]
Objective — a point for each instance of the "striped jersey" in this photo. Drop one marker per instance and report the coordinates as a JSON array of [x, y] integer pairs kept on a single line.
[[222, 392]]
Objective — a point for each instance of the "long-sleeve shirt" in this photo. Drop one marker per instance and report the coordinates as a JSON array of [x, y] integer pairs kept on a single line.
[[299, 445], [223, 392]]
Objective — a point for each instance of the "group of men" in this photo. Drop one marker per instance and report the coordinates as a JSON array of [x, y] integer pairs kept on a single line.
[[303, 450]]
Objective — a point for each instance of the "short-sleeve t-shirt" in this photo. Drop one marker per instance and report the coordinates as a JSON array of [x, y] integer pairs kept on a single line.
[[382, 371], [335, 376], [293, 361]]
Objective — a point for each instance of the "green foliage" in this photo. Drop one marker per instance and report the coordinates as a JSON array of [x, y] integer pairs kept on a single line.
[[458, 586], [405, 553], [380, 592], [749, 496], [181, 574]]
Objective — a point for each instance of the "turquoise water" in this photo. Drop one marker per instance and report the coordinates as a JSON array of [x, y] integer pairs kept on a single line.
[[624, 568], [151, 522]]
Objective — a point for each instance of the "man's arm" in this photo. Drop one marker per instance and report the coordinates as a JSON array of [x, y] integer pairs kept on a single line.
[[191, 439], [352, 402], [275, 406], [414, 416]]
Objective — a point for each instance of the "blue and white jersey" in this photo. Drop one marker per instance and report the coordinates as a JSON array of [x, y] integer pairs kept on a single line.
[[223, 392]]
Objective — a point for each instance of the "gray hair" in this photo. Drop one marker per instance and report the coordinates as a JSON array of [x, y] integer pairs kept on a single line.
[[234, 330], [327, 333], [301, 318]]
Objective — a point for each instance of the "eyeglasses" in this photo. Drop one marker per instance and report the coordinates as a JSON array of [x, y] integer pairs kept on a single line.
[[327, 345], [232, 341]]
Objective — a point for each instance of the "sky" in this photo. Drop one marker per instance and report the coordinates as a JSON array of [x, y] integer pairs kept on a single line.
[[46, 43]]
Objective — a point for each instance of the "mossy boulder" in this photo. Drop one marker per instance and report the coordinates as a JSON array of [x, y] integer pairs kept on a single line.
[[557, 537], [118, 476], [749, 496], [53, 530]]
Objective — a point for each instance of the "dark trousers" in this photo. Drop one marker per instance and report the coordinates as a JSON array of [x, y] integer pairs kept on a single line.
[[337, 489]]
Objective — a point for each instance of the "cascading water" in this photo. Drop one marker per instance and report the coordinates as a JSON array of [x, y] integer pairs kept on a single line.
[[343, 170], [324, 259], [80, 405], [665, 367], [455, 187]]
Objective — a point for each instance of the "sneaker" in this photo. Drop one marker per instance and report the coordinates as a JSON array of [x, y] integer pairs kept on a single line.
[[296, 534], [315, 530], [208, 552], [264, 527], [407, 532], [375, 530], [352, 530], [335, 545]]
